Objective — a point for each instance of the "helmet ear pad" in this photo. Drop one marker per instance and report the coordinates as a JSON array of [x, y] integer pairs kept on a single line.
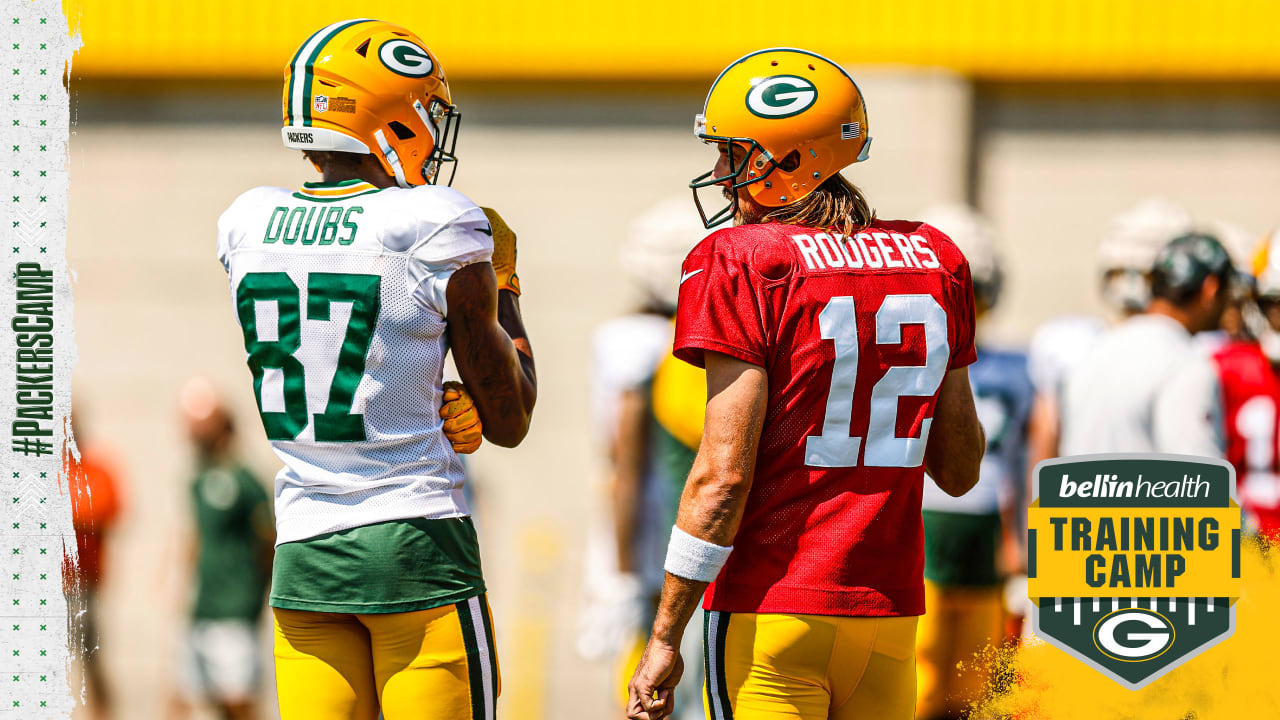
[[785, 180]]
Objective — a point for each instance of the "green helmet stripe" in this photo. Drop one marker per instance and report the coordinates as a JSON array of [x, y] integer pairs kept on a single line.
[[300, 104], [293, 76], [309, 77]]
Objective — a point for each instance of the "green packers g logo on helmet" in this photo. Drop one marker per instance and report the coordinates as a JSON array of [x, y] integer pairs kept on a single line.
[[405, 58], [781, 96]]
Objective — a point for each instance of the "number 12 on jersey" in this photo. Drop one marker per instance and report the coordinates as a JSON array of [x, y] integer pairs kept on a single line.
[[336, 423], [835, 447]]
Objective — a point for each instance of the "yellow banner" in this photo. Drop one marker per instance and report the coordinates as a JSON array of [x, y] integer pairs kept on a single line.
[[1147, 552], [672, 40]]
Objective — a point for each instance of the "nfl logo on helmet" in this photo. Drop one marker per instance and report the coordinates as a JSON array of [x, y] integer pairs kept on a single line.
[[321, 103]]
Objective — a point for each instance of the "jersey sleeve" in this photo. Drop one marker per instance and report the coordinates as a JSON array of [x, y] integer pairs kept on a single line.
[[231, 227], [443, 249], [721, 306], [961, 315]]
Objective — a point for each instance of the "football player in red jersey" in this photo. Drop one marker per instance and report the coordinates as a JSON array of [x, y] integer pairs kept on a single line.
[[836, 348], [1251, 402]]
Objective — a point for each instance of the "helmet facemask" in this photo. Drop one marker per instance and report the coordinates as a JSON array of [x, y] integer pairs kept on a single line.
[[764, 164], [443, 121]]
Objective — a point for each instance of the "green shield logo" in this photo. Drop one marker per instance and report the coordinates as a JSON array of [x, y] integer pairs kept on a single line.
[[1133, 561]]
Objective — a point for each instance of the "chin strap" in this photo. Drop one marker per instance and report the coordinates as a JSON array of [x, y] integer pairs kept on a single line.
[[392, 159]]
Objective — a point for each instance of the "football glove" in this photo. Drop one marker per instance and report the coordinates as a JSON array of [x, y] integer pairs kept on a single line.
[[504, 252], [461, 421]]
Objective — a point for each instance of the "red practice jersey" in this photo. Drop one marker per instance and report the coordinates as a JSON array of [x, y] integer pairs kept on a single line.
[[856, 335], [1250, 407]]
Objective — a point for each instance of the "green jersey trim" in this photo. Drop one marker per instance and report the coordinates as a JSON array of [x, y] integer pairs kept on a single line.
[[334, 184], [332, 192], [335, 198], [387, 567]]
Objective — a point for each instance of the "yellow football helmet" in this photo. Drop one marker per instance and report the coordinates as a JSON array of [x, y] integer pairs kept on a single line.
[[365, 86], [801, 117]]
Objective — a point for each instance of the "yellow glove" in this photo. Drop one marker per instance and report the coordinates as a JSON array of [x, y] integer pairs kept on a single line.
[[461, 421], [504, 252]]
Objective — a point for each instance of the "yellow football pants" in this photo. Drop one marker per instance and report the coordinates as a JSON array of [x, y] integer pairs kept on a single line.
[[809, 667], [960, 623], [436, 664]]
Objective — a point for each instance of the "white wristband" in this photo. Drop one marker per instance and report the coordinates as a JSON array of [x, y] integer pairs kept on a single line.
[[694, 558]]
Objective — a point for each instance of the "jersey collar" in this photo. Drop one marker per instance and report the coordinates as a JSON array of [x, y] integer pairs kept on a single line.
[[329, 191]]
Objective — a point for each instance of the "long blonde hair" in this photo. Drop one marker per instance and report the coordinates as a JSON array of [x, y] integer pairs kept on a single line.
[[836, 204]]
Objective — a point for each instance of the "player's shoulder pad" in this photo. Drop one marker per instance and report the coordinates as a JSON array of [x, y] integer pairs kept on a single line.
[[950, 256], [433, 202], [760, 248], [427, 211], [233, 221]]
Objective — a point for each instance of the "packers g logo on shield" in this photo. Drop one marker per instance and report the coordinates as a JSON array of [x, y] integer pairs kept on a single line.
[[405, 58], [781, 96], [1133, 635]]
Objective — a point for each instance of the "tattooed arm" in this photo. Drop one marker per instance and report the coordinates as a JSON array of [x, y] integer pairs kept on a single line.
[[492, 352]]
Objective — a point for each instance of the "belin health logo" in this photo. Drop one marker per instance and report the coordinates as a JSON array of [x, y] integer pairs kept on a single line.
[[1133, 561]]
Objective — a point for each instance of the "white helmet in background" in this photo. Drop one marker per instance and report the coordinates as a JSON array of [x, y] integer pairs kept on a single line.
[[1266, 274], [974, 236], [1239, 243], [1265, 265], [1129, 248], [656, 245]]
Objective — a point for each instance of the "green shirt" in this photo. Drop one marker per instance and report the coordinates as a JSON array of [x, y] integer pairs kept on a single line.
[[387, 567], [233, 526]]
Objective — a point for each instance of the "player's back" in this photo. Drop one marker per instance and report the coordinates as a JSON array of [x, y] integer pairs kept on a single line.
[[856, 334], [1135, 388], [340, 291]]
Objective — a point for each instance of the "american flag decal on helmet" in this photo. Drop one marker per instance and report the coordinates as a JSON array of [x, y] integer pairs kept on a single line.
[[850, 131]]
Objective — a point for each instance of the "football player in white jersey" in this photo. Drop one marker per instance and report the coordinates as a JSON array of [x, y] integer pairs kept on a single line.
[[350, 291], [1125, 255], [647, 460]]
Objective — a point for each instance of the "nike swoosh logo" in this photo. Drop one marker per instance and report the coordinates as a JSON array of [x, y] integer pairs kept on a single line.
[[689, 274], [486, 231]]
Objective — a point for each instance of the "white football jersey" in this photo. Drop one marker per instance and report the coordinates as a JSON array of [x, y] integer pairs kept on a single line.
[[340, 291]]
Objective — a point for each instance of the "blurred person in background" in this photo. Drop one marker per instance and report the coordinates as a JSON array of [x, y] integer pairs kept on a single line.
[[1240, 319], [648, 455], [96, 495], [817, 324], [1125, 255], [1146, 386], [350, 292], [971, 542], [1266, 273], [1246, 364], [231, 564]]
